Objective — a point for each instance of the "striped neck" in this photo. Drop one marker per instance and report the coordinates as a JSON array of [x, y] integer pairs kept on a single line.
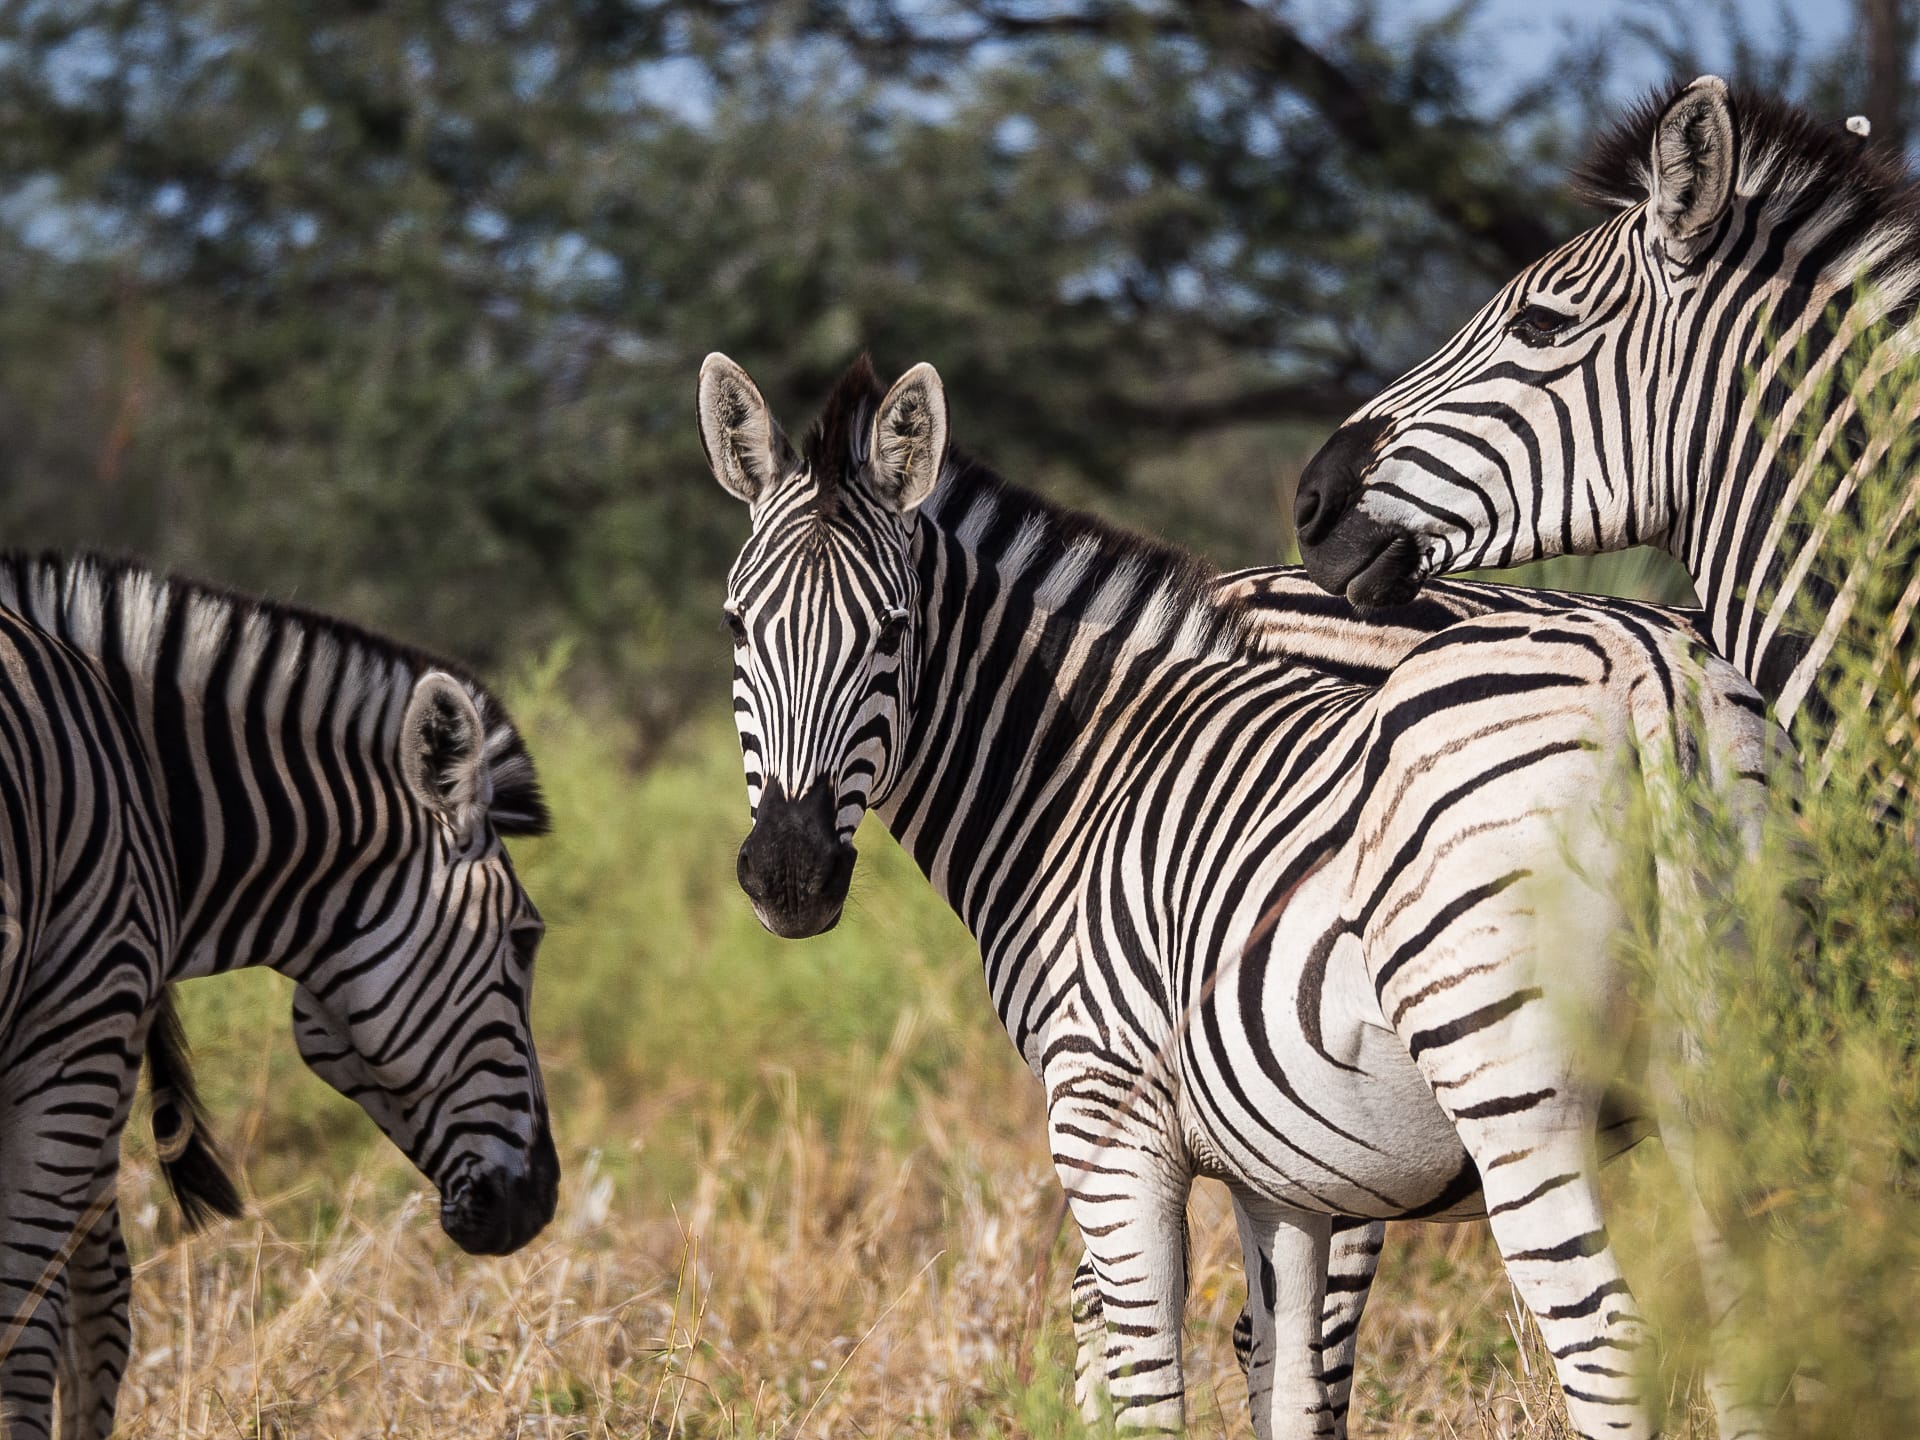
[[1039, 630], [274, 735], [1803, 487]]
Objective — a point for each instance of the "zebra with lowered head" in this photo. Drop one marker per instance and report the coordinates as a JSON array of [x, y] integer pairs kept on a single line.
[[262, 786], [1719, 369], [1241, 916]]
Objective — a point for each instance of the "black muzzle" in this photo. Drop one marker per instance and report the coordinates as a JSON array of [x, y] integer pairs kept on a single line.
[[1345, 551], [495, 1209], [793, 864]]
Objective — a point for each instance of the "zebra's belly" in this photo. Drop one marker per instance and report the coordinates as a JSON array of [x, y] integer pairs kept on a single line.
[[1324, 1110]]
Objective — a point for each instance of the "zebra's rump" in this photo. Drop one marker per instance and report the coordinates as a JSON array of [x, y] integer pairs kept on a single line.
[[87, 908], [1381, 882]]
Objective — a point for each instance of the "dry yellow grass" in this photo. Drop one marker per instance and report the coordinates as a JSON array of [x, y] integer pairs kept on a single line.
[[812, 1281], [806, 1193]]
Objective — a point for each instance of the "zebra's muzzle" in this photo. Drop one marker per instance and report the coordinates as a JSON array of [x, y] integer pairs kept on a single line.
[[793, 864], [1345, 550], [494, 1209]]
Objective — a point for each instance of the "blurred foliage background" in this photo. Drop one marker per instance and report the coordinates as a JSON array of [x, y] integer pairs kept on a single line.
[[395, 308]]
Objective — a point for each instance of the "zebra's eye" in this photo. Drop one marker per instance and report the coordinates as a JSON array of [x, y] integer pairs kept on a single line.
[[891, 629], [1536, 324], [526, 940], [736, 625]]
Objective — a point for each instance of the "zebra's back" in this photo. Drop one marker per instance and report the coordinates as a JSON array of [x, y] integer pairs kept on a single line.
[[1289, 614]]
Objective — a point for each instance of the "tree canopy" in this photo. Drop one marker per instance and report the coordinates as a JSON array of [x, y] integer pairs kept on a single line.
[[396, 308]]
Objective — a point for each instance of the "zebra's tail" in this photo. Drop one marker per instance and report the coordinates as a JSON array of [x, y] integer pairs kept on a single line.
[[189, 1157]]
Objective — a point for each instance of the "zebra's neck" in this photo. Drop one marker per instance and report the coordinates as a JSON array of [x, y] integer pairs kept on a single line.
[[272, 732], [1784, 478], [1038, 631]]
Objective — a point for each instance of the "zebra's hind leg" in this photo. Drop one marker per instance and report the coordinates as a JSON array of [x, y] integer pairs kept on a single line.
[[1724, 1281], [33, 1313], [1542, 1190], [1089, 1339], [1352, 1259], [99, 1334], [1286, 1258]]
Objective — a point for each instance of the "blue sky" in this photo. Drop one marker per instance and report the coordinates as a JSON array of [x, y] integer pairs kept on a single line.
[[1524, 34]]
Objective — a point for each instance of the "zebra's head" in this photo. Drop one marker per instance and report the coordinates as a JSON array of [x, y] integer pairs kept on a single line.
[[417, 1009], [823, 603], [1577, 410]]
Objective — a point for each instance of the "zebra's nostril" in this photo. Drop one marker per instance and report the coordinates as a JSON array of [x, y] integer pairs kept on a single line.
[[1306, 510]]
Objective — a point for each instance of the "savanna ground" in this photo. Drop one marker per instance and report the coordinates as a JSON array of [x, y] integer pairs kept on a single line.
[[806, 1190]]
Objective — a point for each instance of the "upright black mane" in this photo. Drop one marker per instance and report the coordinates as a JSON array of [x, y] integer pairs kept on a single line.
[[56, 582], [836, 445], [1186, 577], [1784, 147]]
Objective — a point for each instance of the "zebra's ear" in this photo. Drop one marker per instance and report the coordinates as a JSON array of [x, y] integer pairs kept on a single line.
[[746, 449], [443, 749], [908, 446], [1695, 156]]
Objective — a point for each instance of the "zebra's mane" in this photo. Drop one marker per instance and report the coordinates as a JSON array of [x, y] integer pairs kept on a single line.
[[1800, 162], [72, 596], [1095, 571], [1079, 564]]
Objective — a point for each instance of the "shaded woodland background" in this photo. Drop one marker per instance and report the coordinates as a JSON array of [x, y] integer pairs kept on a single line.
[[395, 309]]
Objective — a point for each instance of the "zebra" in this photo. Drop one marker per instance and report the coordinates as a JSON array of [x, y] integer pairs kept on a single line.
[[1242, 917], [235, 782], [1292, 616], [1676, 376]]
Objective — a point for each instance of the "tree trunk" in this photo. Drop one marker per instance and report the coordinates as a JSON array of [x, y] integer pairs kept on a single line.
[[1886, 34]]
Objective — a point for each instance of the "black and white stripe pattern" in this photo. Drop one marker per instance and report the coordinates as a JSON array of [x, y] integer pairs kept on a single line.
[[88, 921], [220, 783], [1242, 916], [1713, 370], [1288, 616]]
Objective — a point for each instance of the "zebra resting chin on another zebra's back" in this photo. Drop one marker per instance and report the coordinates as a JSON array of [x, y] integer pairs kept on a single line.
[[1243, 918], [196, 782], [1724, 369]]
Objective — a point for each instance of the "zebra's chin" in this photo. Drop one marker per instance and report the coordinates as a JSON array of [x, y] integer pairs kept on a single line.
[[799, 925]]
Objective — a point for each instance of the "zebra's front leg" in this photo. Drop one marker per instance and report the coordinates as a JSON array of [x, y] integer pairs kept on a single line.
[[1286, 1253], [99, 1333], [1130, 1206], [1352, 1259]]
